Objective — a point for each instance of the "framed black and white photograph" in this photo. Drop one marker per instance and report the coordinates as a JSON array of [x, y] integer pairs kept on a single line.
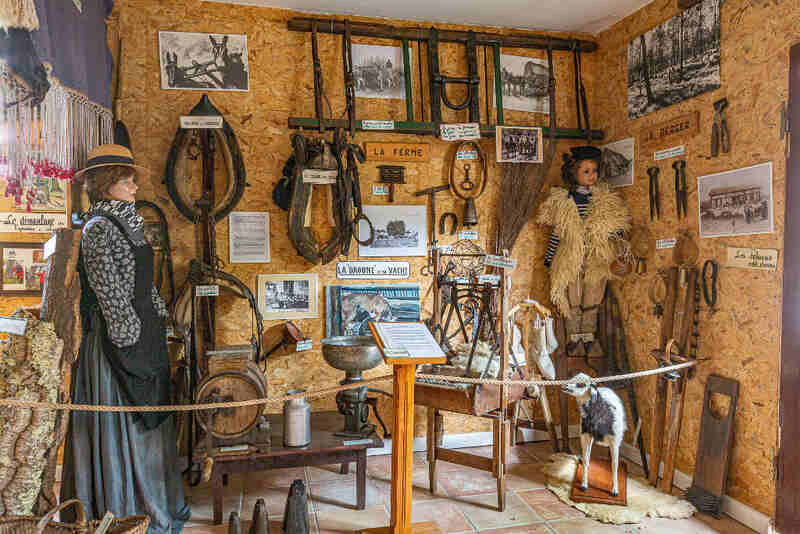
[[616, 162], [378, 71], [737, 202], [674, 61], [399, 231], [518, 144], [525, 83], [203, 61], [288, 296]]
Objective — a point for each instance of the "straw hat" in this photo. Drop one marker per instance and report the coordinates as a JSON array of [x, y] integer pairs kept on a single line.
[[106, 155]]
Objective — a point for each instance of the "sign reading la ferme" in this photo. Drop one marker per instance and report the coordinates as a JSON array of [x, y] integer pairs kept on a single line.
[[416, 152]]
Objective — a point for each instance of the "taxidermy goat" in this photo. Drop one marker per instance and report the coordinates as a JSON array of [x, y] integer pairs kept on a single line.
[[602, 422]]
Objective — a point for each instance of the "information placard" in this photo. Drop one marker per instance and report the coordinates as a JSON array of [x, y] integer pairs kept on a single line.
[[460, 132]]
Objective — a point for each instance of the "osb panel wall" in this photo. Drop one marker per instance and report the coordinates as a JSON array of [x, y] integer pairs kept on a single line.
[[742, 338], [281, 81]]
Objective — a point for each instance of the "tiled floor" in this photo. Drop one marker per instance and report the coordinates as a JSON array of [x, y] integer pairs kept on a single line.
[[464, 503]]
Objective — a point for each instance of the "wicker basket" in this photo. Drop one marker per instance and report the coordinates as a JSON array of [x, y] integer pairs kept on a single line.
[[28, 524]]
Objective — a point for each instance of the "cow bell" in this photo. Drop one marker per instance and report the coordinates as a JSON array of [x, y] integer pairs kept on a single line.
[[470, 213]]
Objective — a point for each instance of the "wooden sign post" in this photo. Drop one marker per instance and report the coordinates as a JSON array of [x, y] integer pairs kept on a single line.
[[402, 444]]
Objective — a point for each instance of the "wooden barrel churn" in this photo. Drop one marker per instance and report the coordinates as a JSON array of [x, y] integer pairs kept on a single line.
[[230, 379]]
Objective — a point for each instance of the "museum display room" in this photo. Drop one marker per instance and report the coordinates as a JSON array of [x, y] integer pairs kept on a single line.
[[304, 268]]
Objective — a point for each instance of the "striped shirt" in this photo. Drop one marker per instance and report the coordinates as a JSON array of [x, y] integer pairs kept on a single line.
[[581, 196]]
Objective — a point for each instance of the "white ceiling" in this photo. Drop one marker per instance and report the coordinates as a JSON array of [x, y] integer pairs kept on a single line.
[[589, 16]]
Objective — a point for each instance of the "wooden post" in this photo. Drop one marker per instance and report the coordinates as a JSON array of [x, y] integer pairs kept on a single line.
[[402, 448], [60, 305]]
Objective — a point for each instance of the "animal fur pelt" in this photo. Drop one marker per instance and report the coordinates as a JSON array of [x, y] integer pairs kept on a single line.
[[643, 500], [585, 244]]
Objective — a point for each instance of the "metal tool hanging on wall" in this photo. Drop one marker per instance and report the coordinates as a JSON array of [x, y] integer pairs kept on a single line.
[[468, 178], [719, 130], [431, 192], [680, 186], [655, 200]]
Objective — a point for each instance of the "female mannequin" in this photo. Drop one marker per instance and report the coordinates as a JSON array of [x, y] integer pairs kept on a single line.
[[125, 463]]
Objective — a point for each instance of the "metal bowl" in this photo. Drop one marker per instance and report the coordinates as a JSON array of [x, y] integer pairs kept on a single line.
[[351, 354]]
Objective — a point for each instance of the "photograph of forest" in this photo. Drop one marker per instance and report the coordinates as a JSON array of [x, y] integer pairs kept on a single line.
[[674, 61]]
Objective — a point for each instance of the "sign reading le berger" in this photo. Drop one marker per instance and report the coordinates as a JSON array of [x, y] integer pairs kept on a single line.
[[683, 126], [419, 152]]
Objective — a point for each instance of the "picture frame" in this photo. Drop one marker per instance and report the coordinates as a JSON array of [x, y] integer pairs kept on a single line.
[[617, 162], [23, 269], [400, 231], [525, 83], [736, 202], [518, 144], [667, 64], [288, 296], [348, 308], [203, 61], [378, 71]]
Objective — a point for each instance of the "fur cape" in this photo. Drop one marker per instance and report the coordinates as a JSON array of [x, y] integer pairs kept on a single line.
[[585, 244]]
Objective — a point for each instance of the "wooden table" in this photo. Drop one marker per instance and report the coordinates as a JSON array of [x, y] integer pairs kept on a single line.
[[325, 448]]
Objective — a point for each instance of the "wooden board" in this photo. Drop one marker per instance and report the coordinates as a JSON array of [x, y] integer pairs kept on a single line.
[[599, 491], [415, 152], [681, 127]]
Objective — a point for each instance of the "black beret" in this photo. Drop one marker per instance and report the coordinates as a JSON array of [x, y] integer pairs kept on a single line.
[[585, 152]]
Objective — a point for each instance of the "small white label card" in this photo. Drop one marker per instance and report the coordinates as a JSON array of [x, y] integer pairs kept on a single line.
[[373, 270], [445, 249], [50, 246], [489, 279], [380, 190], [13, 325], [306, 344], [753, 258], [377, 125], [472, 235], [667, 242], [669, 153], [466, 154], [500, 261], [320, 176], [458, 132], [207, 291], [205, 122]]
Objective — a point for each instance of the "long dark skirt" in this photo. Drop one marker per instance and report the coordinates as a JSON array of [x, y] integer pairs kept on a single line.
[[113, 463]]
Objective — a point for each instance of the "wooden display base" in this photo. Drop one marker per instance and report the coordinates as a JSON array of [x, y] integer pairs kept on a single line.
[[428, 527], [599, 491]]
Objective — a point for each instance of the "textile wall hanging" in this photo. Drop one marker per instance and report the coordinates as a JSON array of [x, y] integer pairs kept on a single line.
[[55, 74]]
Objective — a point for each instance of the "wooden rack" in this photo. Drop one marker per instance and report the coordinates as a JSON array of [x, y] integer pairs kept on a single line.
[[436, 81]]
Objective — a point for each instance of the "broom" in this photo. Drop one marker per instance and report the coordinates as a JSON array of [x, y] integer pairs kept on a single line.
[[522, 182]]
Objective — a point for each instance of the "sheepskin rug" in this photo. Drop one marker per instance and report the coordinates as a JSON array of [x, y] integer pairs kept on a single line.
[[643, 499]]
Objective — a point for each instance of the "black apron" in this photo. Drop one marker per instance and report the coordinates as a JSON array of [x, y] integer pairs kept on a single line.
[[142, 369]]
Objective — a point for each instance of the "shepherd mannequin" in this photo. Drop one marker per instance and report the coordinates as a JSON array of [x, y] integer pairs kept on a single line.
[[602, 421]]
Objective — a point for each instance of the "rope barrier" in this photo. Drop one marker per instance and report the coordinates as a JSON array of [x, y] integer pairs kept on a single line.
[[325, 392]]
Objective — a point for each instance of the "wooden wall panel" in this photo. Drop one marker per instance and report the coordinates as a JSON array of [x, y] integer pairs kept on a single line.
[[281, 80], [742, 338]]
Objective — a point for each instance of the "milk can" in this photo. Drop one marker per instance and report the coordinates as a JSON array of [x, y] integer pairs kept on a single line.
[[296, 421]]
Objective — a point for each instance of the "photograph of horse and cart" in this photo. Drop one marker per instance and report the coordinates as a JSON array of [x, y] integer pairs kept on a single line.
[[203, 61]]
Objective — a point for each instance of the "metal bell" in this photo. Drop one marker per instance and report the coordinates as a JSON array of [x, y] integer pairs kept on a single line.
[[470, 213]]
